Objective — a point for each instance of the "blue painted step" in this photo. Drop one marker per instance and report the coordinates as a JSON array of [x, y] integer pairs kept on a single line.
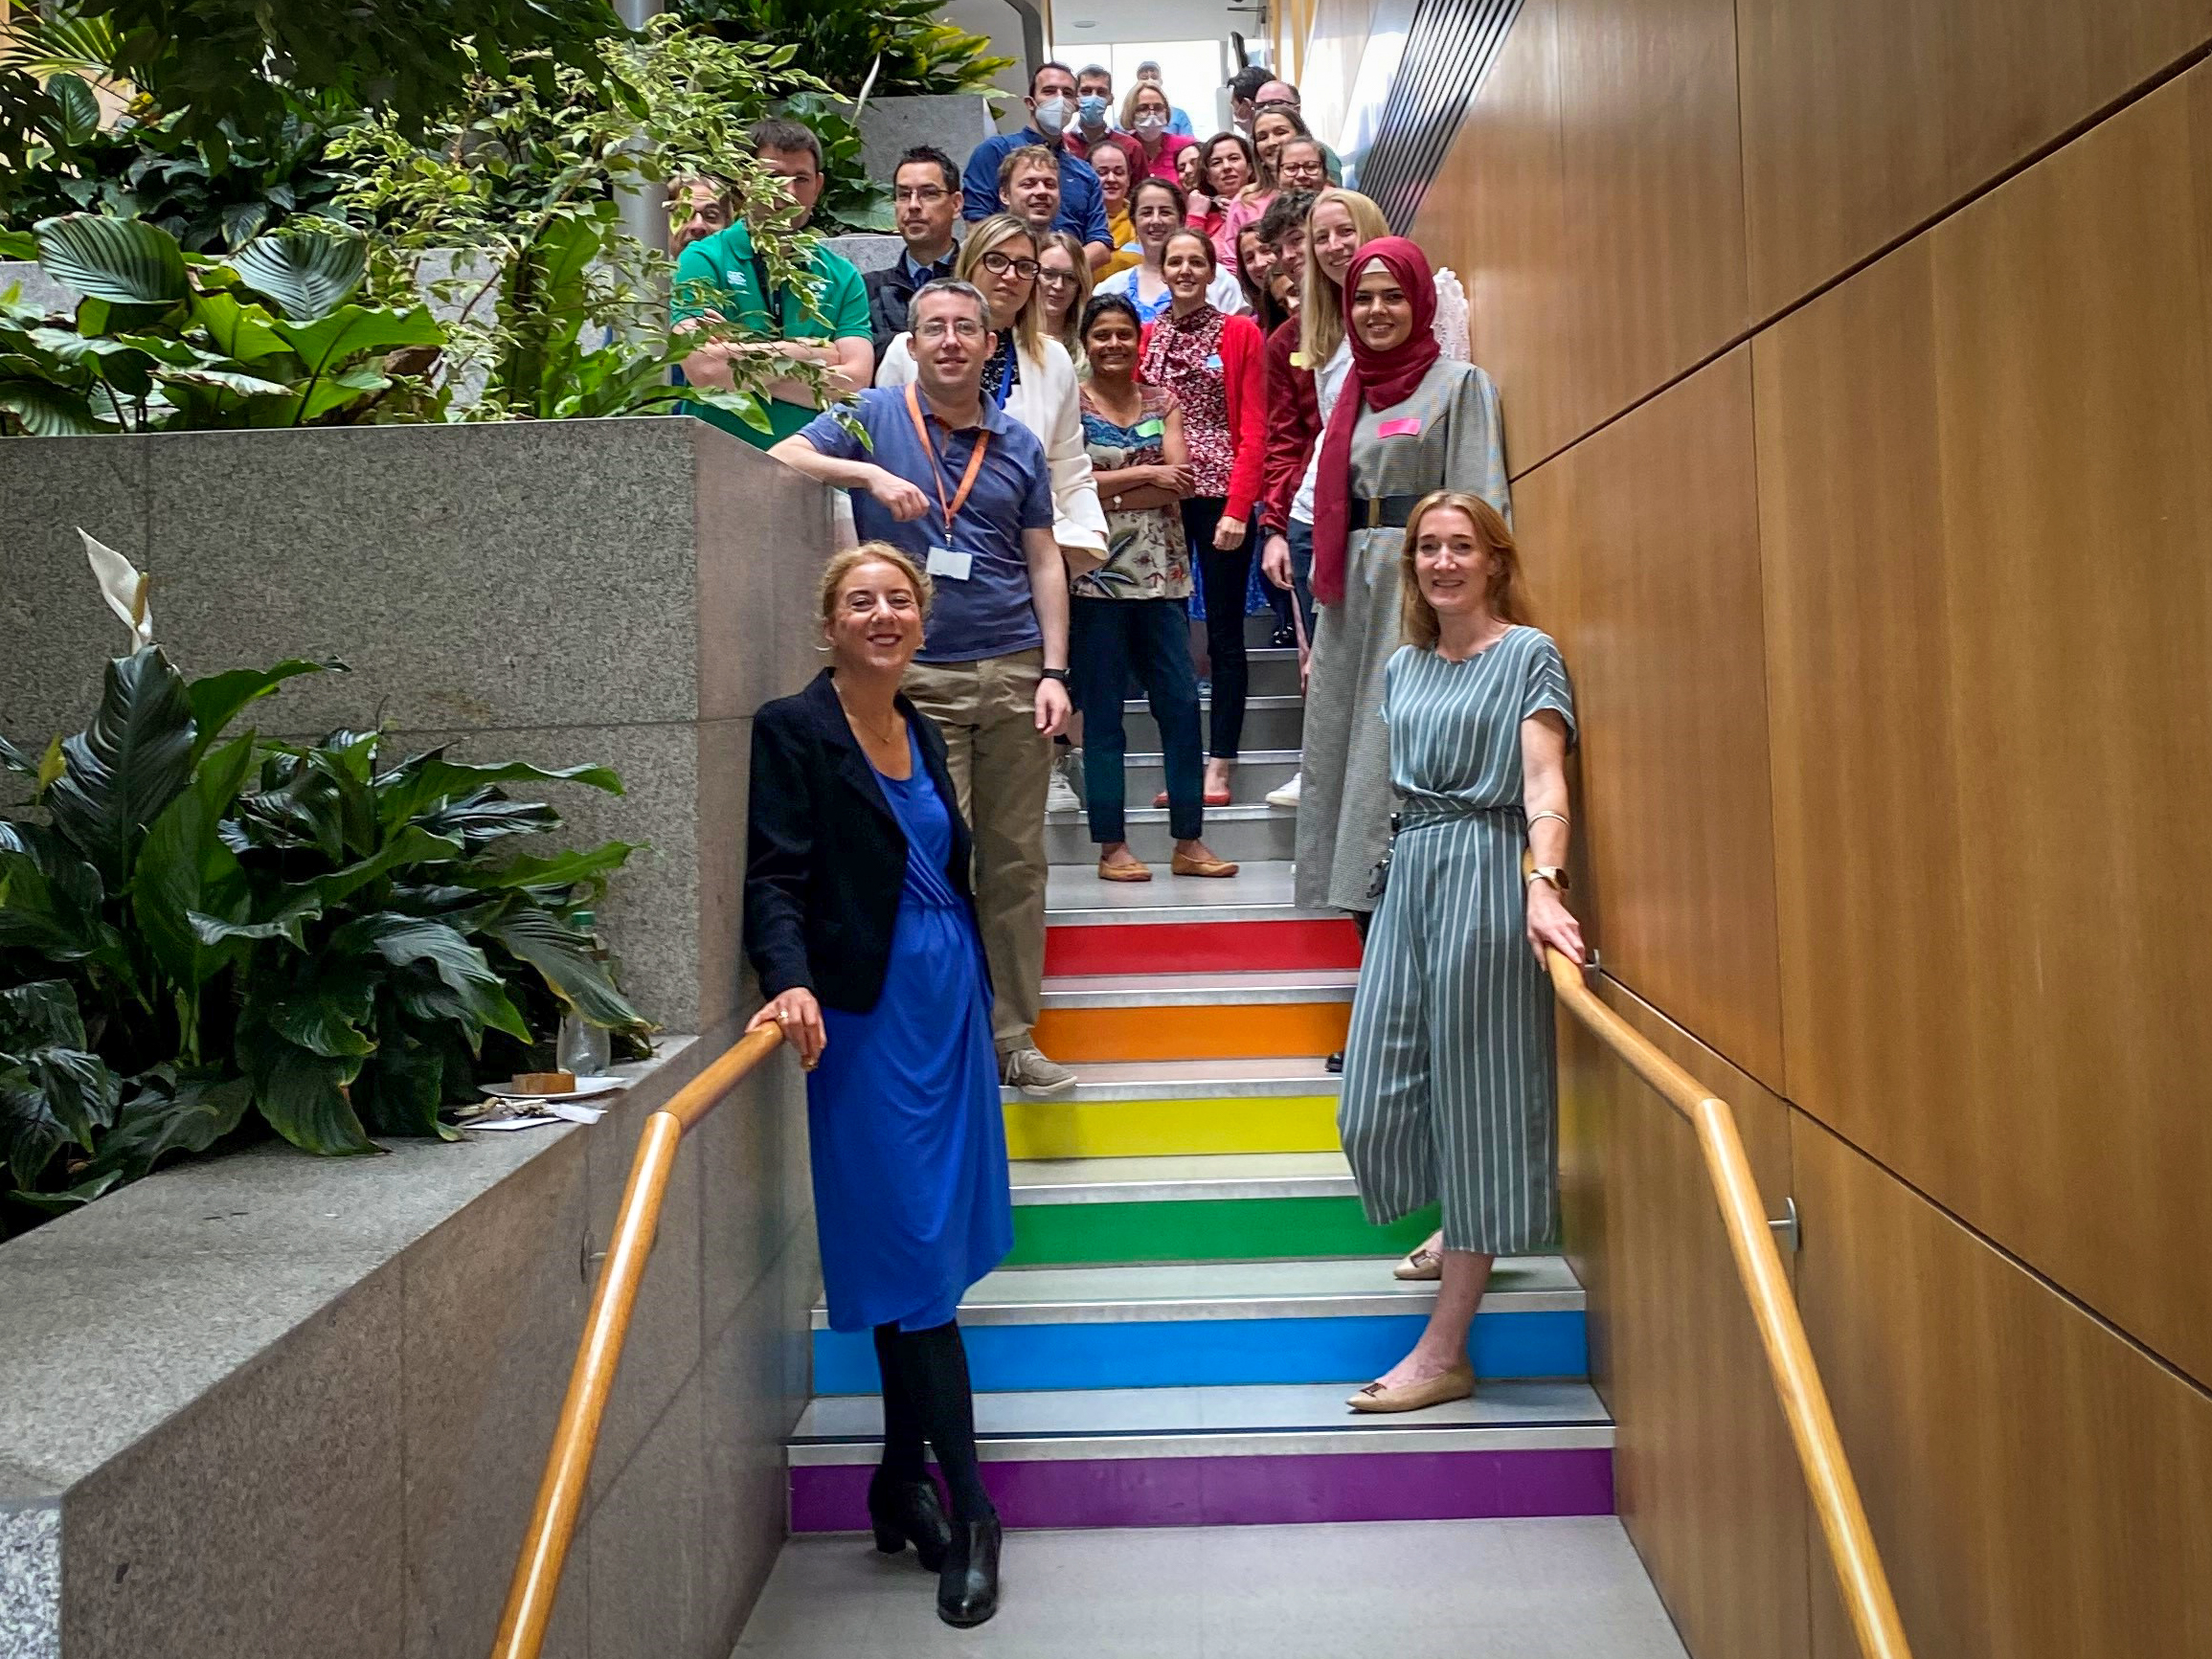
[[1228, 1323]]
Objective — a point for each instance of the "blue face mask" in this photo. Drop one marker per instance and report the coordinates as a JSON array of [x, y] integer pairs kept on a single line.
[[1093, 108]]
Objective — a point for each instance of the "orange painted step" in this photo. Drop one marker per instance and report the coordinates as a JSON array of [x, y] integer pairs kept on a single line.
[[1168, 1017]]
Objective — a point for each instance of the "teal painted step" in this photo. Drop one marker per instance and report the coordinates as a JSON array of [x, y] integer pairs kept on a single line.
[[1224, 1323], [1222, 1208]]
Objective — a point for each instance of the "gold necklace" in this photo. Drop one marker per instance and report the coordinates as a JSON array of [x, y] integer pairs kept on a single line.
[[888, 737]]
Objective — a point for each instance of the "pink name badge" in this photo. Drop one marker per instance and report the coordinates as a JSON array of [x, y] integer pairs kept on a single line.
[[1405, 426]]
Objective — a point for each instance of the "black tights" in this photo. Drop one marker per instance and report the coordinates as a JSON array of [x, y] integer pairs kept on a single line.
[[927, 1397]]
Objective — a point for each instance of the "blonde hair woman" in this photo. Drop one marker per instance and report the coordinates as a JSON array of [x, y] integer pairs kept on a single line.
[[1451, 1091], [860, 918], [1030, 375], [1064, 279]]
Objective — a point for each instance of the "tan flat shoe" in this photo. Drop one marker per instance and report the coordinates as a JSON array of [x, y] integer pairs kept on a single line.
[[1128, 870], [1456, 1383], [1423, 1264], [1185, 865]]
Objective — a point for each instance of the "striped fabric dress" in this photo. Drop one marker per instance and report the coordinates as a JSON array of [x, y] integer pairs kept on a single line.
[[1449, 1089]]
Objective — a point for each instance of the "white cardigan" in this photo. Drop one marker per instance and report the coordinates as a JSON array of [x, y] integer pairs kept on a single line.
[[1043, 400]]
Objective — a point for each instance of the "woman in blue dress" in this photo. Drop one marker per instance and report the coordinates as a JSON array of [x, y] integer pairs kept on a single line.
[[860, 920]]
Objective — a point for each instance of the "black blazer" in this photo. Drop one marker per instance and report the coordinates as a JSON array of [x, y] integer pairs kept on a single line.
[[890, 294], [825, 859]]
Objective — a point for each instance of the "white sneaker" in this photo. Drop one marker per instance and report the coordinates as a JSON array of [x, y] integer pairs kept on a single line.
[[1288, 794], [1059, 793]]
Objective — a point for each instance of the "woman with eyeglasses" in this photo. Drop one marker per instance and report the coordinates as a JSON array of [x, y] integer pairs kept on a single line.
[[1030, 376], [1211, 361], [1231, 167], [1110, 160], [1146, 114], [1064, 281], [1157, 208], [1299, 164]]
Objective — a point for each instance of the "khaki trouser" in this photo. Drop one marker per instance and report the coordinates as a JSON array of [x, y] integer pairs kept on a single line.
[[1001, 767]]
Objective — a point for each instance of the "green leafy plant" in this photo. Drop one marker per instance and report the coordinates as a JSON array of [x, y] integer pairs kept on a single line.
[[902, 44], [163, 339], [199, 929]]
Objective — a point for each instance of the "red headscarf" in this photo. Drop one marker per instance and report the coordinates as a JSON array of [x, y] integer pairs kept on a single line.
[[1377, 380]]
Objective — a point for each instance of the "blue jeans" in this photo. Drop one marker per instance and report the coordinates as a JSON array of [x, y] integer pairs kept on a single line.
[[1110, 640]]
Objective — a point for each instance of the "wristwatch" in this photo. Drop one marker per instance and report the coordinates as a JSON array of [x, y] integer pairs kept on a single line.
[[1551, 873], [1059, 674]]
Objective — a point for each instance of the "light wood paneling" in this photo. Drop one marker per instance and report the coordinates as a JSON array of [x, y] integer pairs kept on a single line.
[[1704, 1475], [1861, 117], [1654, 193], [2037, 1484], [1667, 653], [1495, 213], [1990, 643]]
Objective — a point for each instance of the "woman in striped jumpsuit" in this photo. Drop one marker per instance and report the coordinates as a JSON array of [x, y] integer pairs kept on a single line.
[[1449, 1089]]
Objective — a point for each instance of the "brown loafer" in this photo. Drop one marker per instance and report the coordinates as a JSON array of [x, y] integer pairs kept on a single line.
[[1185, 865], [1130, 870], [1456, 1383]]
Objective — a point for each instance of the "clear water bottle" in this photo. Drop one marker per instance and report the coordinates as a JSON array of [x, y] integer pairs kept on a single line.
[[584, 1048]]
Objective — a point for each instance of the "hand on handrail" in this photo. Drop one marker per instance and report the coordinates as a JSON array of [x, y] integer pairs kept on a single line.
[[800, 1016]]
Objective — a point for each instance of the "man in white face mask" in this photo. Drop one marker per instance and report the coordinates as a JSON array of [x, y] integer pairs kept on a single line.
[[1052, 104]]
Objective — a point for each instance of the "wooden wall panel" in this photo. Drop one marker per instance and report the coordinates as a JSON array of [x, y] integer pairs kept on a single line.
[[1706, 1477], [1990, 643], [1862, 118], [2036, 1483], [1497, 215], [1654, 191], [1666, 653]]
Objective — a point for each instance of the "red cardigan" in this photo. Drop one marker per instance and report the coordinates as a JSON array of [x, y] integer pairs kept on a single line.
[[1294, 427], [1244, 389]]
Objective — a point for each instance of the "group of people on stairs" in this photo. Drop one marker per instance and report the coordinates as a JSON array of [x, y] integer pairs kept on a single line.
[[1048, 482]]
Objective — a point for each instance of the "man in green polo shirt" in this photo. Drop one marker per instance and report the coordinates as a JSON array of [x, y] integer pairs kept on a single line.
[[722, 279]]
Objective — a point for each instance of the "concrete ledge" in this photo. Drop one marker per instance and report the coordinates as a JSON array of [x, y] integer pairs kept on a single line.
[[278, 1406]]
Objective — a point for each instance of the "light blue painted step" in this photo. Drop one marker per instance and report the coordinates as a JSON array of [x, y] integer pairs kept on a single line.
[[1224, 1323]]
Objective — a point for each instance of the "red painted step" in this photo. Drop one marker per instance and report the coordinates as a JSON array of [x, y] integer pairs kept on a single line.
[[1201, 947]]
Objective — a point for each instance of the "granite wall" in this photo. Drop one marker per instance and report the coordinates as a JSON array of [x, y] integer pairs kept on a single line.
[[271, 1405]]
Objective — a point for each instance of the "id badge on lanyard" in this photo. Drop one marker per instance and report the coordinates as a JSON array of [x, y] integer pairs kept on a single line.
[[946, 560]]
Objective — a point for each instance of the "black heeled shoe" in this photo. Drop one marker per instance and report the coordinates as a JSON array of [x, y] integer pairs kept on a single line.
[[968, 1588], [905, 1512]]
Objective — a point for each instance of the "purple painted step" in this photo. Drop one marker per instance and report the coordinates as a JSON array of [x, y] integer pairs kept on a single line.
[[1245, 1490]]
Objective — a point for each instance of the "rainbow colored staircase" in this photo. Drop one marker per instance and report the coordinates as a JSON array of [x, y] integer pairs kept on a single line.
[[1194, 1290]]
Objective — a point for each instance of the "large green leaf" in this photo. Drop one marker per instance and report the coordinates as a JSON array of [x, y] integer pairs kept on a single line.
[[192, 1116], [561, 870], [411, 845], [79, 109], [16, 760], [404, 940], [218, 698], [184, 859], [486, 816], [29, 1132], [50, 902], [314, 398], [50, 411], [40, 1013], [309, 268], [80, 1089], [133, 760], [302, 1096], [240, 331], [123, 261], [570, 962], [326, 1010], [402, 1085], [328, 342], [423, 781]]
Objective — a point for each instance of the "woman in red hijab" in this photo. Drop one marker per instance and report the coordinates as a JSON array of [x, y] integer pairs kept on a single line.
[[1409, 420]]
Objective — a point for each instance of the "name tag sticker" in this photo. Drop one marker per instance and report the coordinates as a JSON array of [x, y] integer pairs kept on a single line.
[[1214, 361], [1153, 428], [949, 563], [1405, 426], [1297, 359]]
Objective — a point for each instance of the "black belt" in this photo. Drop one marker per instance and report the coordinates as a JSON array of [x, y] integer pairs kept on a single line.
[[1383, 512]]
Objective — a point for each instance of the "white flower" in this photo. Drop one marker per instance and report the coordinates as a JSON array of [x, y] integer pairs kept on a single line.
[[123, 586]]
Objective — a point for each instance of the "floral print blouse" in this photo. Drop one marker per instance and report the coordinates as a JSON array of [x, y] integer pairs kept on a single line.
[[1149, 558], [1184, 356]]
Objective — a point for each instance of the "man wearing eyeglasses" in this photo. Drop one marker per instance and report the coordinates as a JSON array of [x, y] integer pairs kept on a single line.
[[925, 201], [964, 489]]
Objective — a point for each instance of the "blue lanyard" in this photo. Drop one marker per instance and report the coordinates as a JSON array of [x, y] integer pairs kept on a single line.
[[1005, 382]]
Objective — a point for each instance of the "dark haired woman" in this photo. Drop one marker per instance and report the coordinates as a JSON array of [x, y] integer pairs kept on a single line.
[[1158, 208], [1126, 619], [1450, 1088], [1230, 167], [860, 920], [1212, 361]]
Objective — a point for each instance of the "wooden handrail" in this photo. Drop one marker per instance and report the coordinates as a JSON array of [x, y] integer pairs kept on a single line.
[[1858, 1564], [568, 1466]]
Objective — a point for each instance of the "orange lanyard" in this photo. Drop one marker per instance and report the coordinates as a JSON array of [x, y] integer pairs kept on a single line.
[[951, 510]]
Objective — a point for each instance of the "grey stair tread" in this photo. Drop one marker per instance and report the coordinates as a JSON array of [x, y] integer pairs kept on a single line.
[[1263, 890], [1237, 813], [1359, 1288], [1292, 1076], [1254, 756], [1171, 990], [1217, 1176], [1287, 1415], [1277, 700]]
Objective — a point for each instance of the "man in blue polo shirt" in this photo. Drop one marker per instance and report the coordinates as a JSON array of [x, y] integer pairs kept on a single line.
[[1051, 103], [966, 492]]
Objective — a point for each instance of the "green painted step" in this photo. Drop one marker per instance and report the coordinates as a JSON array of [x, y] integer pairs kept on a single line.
[[1223, 1208]]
